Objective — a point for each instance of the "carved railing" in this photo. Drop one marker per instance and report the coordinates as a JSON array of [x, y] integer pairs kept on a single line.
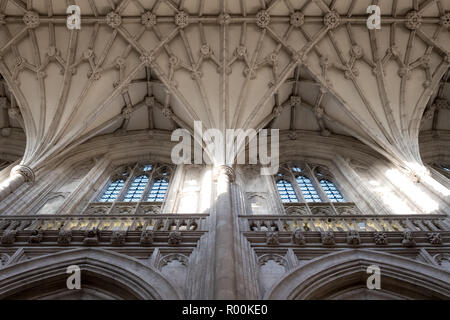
[[110, 222], [387, 223], [123, 208], [320, 208]]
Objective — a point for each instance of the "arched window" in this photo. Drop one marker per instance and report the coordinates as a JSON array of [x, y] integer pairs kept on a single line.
[[136, 189], [331, 191], [158, 190], [286, 191], [315, 184], [308, 190], [112, 192], [137, 183]]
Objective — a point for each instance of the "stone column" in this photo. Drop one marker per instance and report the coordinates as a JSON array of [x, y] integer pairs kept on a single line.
[[18, 176], [225, 265]]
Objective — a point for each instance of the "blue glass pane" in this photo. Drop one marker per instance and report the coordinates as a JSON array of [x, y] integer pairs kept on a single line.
[[158, 190], [296, 169], [309, 192], [136, 189], [446, 169], [148, 167], [112, 191], [286, 191], [332, 192]]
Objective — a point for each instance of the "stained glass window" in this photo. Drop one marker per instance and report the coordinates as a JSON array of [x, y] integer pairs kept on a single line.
[[331, 191], [113, 190], [286, 191], [158, 190], [309, 192], [136, 189]]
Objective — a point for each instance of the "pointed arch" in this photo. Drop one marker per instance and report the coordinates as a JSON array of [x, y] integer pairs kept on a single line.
[[329, 275], [110, 273]]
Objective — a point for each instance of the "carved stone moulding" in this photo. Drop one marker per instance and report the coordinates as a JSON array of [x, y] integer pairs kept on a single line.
[[328, 238], [148, 19], [413, 20], [31, 19], [380, 238], [272, 238], [298, 238], [182, 19], [434, 238], [262, 19], [24, 171], [332, 20], [175, 238], [353, 238], [113, 19], [408, 239], [297, 19], [445, 20], [118, 238]]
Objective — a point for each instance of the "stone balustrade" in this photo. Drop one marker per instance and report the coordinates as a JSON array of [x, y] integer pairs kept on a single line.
[[321, 223], [110, 222]]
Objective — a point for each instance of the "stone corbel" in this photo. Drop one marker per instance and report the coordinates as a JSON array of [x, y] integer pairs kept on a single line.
[[24, 171]]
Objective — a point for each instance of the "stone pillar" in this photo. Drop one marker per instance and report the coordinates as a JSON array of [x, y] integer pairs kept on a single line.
[[225, 265], [18, 176]]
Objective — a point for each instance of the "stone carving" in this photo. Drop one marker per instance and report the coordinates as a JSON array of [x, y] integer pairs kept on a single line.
[[173, 257], [146, 238], [380, 238], [64, 237], [31, 19], [25, 171], [297, 19], [223, 18], [327, 238], [353, 238], [272, 238], [91, 237], [148, 19], [408, 239], [296, 210], [36, 236], [113, 19], [175, 238], [262, 19], [298, 238], [332, 20], [445, 20], [147, 59], [4, 258], [413, 20], [181, 19], [434, 238], [442, 259], [117, 238], [8, 237]]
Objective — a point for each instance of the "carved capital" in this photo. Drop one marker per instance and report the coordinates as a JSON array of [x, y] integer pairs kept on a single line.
[[24, 171], [226, 170]]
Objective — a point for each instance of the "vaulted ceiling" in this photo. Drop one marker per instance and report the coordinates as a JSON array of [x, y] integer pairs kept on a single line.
[[161, 64]]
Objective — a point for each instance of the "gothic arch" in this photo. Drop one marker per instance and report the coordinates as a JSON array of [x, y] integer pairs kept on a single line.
[[345, 271], [106, 272]]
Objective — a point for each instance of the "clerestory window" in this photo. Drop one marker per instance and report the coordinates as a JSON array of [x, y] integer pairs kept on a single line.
[[138, 183], [307, 183]]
